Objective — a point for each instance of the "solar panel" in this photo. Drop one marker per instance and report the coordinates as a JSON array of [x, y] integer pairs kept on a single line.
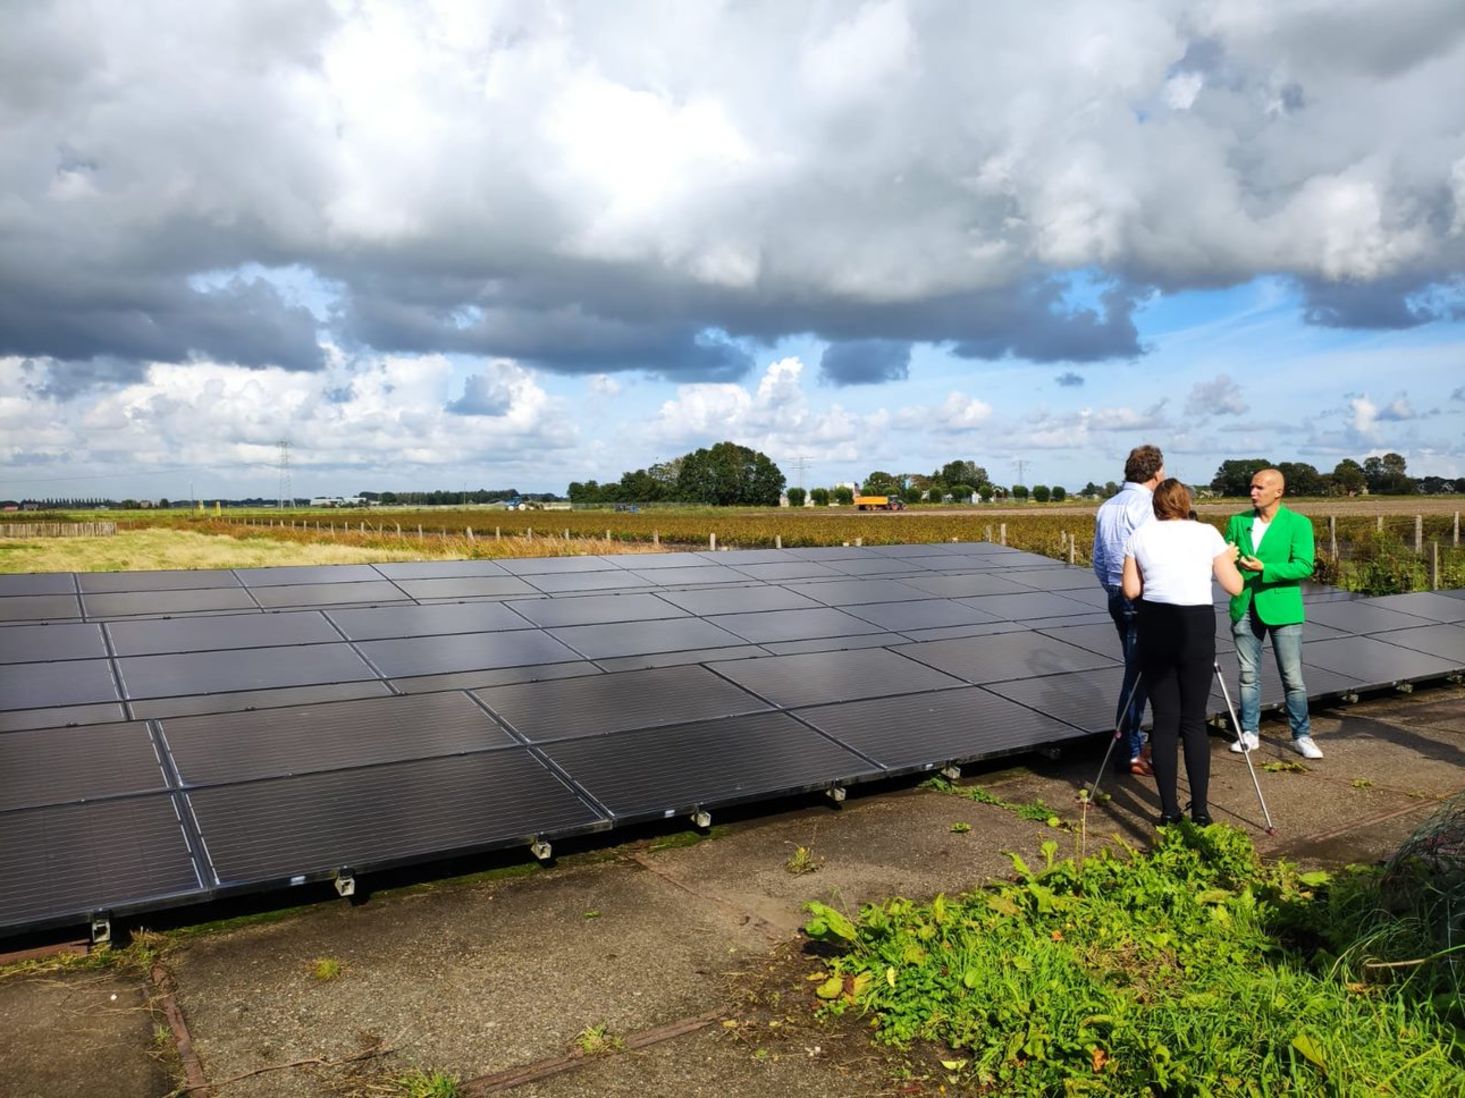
[[1319, 682], [619, 579], [832, 676], [737, 600], [1099, 637], [920, 614], [61, 863], [236, 747], [1056, 579], [295, 575], [614, 703], [660, 561], [1424, 604], [163, 580], [65, 682], [39, 608], [1445, 641], [949, 632], [1361, 617], [682, 577], [1373, 661], [56, 641], [741, 556], [930, 730], [439, 569], [952, 587], [409, 656], [204, 634], [878, 566], [782, 625], [545, 566], [131, 604], [788, 570], [376, 816], [596, 609], [467, 587], [1095, 597], [664, 771], [1087, 700], [242, 700], [279, 597], [16, 720], [1038, 604], [918, 549], [831, 644], [57, 765], [182, 673], [471, 680], [605, 641], [37, 583], [382, 622], [673, 659], [857, 592], [1006, 656]]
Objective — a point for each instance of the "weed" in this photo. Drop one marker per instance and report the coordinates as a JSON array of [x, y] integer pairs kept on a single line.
[[1361, 783], [802, 861], [1193, 969], [1284, 766], [325, 969], [426, 1084], [961, 827], [598, 1041], [592, 914], [1037, 811]]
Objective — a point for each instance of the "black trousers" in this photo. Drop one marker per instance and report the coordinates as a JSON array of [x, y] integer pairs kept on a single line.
[[1177, 655]]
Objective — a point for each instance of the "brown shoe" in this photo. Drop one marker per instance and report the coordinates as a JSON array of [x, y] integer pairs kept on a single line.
[[1140, 768]]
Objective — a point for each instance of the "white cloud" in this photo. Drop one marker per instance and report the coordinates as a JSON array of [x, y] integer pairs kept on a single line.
[[959, 412], [603, 385], [1218, 397]]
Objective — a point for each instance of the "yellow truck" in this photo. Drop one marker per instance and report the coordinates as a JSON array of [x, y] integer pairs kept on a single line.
[[880, 503]]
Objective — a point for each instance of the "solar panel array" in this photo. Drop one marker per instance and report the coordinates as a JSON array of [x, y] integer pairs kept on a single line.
[[169, 737]]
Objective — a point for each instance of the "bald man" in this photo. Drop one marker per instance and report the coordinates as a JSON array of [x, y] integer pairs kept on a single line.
[[1275, 554]]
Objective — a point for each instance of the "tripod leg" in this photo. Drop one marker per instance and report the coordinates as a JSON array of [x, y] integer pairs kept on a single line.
[[1236, 724], [1118, 735]]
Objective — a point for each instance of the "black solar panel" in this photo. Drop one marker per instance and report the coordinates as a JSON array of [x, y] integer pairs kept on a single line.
[[929, 730], [595, 609], [832, 676], [466, 587], [1445, 641], [954, 587], [37, 583], [659, 561], [57, 765], [243, 700], [383, 622], [1361, 617], [236, 747], [673, 659], [439, 569], [375, 816], [830, 644], [247, 669], [565, 583], [606, 641], [329, 594], [1095, 597], [1055, 579], [1099, 637], [65, 682], [295, 575], [1005, 656], [206, 634], [614, 703], [1039, 604], [740, 556], [15, 720], [1319, 682], [136, 604], [42, 643], [165, 580], [410, 656], [1425, 604], [19, 608], [879, 566], [472, 680], [683, 577], [544, 566], [1087, 700], [921, 614], [858, 592], [662, 771], [1373, 661], [64, 862], [782, 625], [788, 570], [740, 600]]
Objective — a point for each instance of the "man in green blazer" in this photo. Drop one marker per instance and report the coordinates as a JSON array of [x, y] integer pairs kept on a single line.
[[1275, 554]]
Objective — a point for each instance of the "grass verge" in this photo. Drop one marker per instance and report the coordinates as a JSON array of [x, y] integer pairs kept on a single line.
[[1194, 969]]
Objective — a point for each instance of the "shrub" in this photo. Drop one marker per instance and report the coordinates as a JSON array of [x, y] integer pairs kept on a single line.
[[843, 496], [796, 497], [820, 496], [937, 494], [1059, 493], [912, 495], [1041, 493], [986, 491], [961, 493], [1019, 491]]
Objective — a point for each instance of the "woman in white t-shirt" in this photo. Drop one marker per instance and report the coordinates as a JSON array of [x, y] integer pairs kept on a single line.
[[1169, 565]]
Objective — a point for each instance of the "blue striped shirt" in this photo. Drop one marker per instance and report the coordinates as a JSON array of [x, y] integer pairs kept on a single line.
[[1119, 517]]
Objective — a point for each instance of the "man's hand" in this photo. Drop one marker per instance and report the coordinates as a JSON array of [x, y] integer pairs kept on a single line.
[[1251, 564]]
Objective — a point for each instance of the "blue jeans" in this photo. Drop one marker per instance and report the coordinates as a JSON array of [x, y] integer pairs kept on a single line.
[[1248, 633], [1126, 622]]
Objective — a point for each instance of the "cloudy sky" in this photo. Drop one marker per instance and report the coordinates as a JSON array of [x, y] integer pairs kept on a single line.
[[442, 245]]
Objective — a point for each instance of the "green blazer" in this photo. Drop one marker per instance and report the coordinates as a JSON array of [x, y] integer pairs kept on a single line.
[[1287, 556]]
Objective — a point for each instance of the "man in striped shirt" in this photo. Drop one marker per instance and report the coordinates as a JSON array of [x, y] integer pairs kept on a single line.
[[1119, 517]]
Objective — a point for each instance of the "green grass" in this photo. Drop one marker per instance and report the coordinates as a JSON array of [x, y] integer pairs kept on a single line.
[[1035, 811], [426, 1084], [1192, 970]]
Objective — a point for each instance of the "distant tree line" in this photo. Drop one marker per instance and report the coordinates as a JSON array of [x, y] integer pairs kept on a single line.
[[1385, 475], [724, 475]]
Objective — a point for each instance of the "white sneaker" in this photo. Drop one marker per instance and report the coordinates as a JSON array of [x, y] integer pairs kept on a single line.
[[1252, 742], [1304, 746]]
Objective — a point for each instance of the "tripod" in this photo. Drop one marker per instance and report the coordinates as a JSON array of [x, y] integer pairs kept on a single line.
[[1093, 793]]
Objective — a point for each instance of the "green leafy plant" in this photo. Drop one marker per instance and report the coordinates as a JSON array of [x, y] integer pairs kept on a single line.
[[961, 827], [802, 861], [598, 1040], [426, 1084], [326, 969]]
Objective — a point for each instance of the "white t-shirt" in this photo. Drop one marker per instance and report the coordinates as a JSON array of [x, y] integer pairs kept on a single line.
[[1174, 558]]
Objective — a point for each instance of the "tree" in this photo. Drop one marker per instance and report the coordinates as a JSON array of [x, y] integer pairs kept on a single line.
[[1041, 493], [1233, 478], [843, 496], [962, 472], [1019, 491], [1348, 478], [1302, 479], [1059, 493], [1386, 475], [962, 493], [1091, 491], [729, 474], [987, 491], [880, 483], [912, 494], [937, 493], [796, 497], [820, 496], [1110, 489]]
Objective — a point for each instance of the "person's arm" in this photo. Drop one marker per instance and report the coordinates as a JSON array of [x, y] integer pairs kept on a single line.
[[1132, 585], [1301, 554], [1223, 567]]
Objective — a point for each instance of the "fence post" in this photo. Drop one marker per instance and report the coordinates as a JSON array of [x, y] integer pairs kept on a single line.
[[778, 541], [607, 535], [989, 532], [1070, 549], [497, 535], [1003, 540], [1419, 533], [859, 541], [1434, 572], [419, 531], [1457, 529], [655, 538], [470, 533], [1381, 524], [399, 528], [1333, 536], [712, 542], [567, 535]]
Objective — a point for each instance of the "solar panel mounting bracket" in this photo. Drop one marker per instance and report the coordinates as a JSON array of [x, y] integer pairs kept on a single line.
[[835, 793], [101, 928], [951, 772], [345, 882], [701, 818], [541, 849], [1404, 687]]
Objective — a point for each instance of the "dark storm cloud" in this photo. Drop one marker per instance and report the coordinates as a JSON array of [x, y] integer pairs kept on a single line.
[[1389, 303], [865, 362], [1070, 380]]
